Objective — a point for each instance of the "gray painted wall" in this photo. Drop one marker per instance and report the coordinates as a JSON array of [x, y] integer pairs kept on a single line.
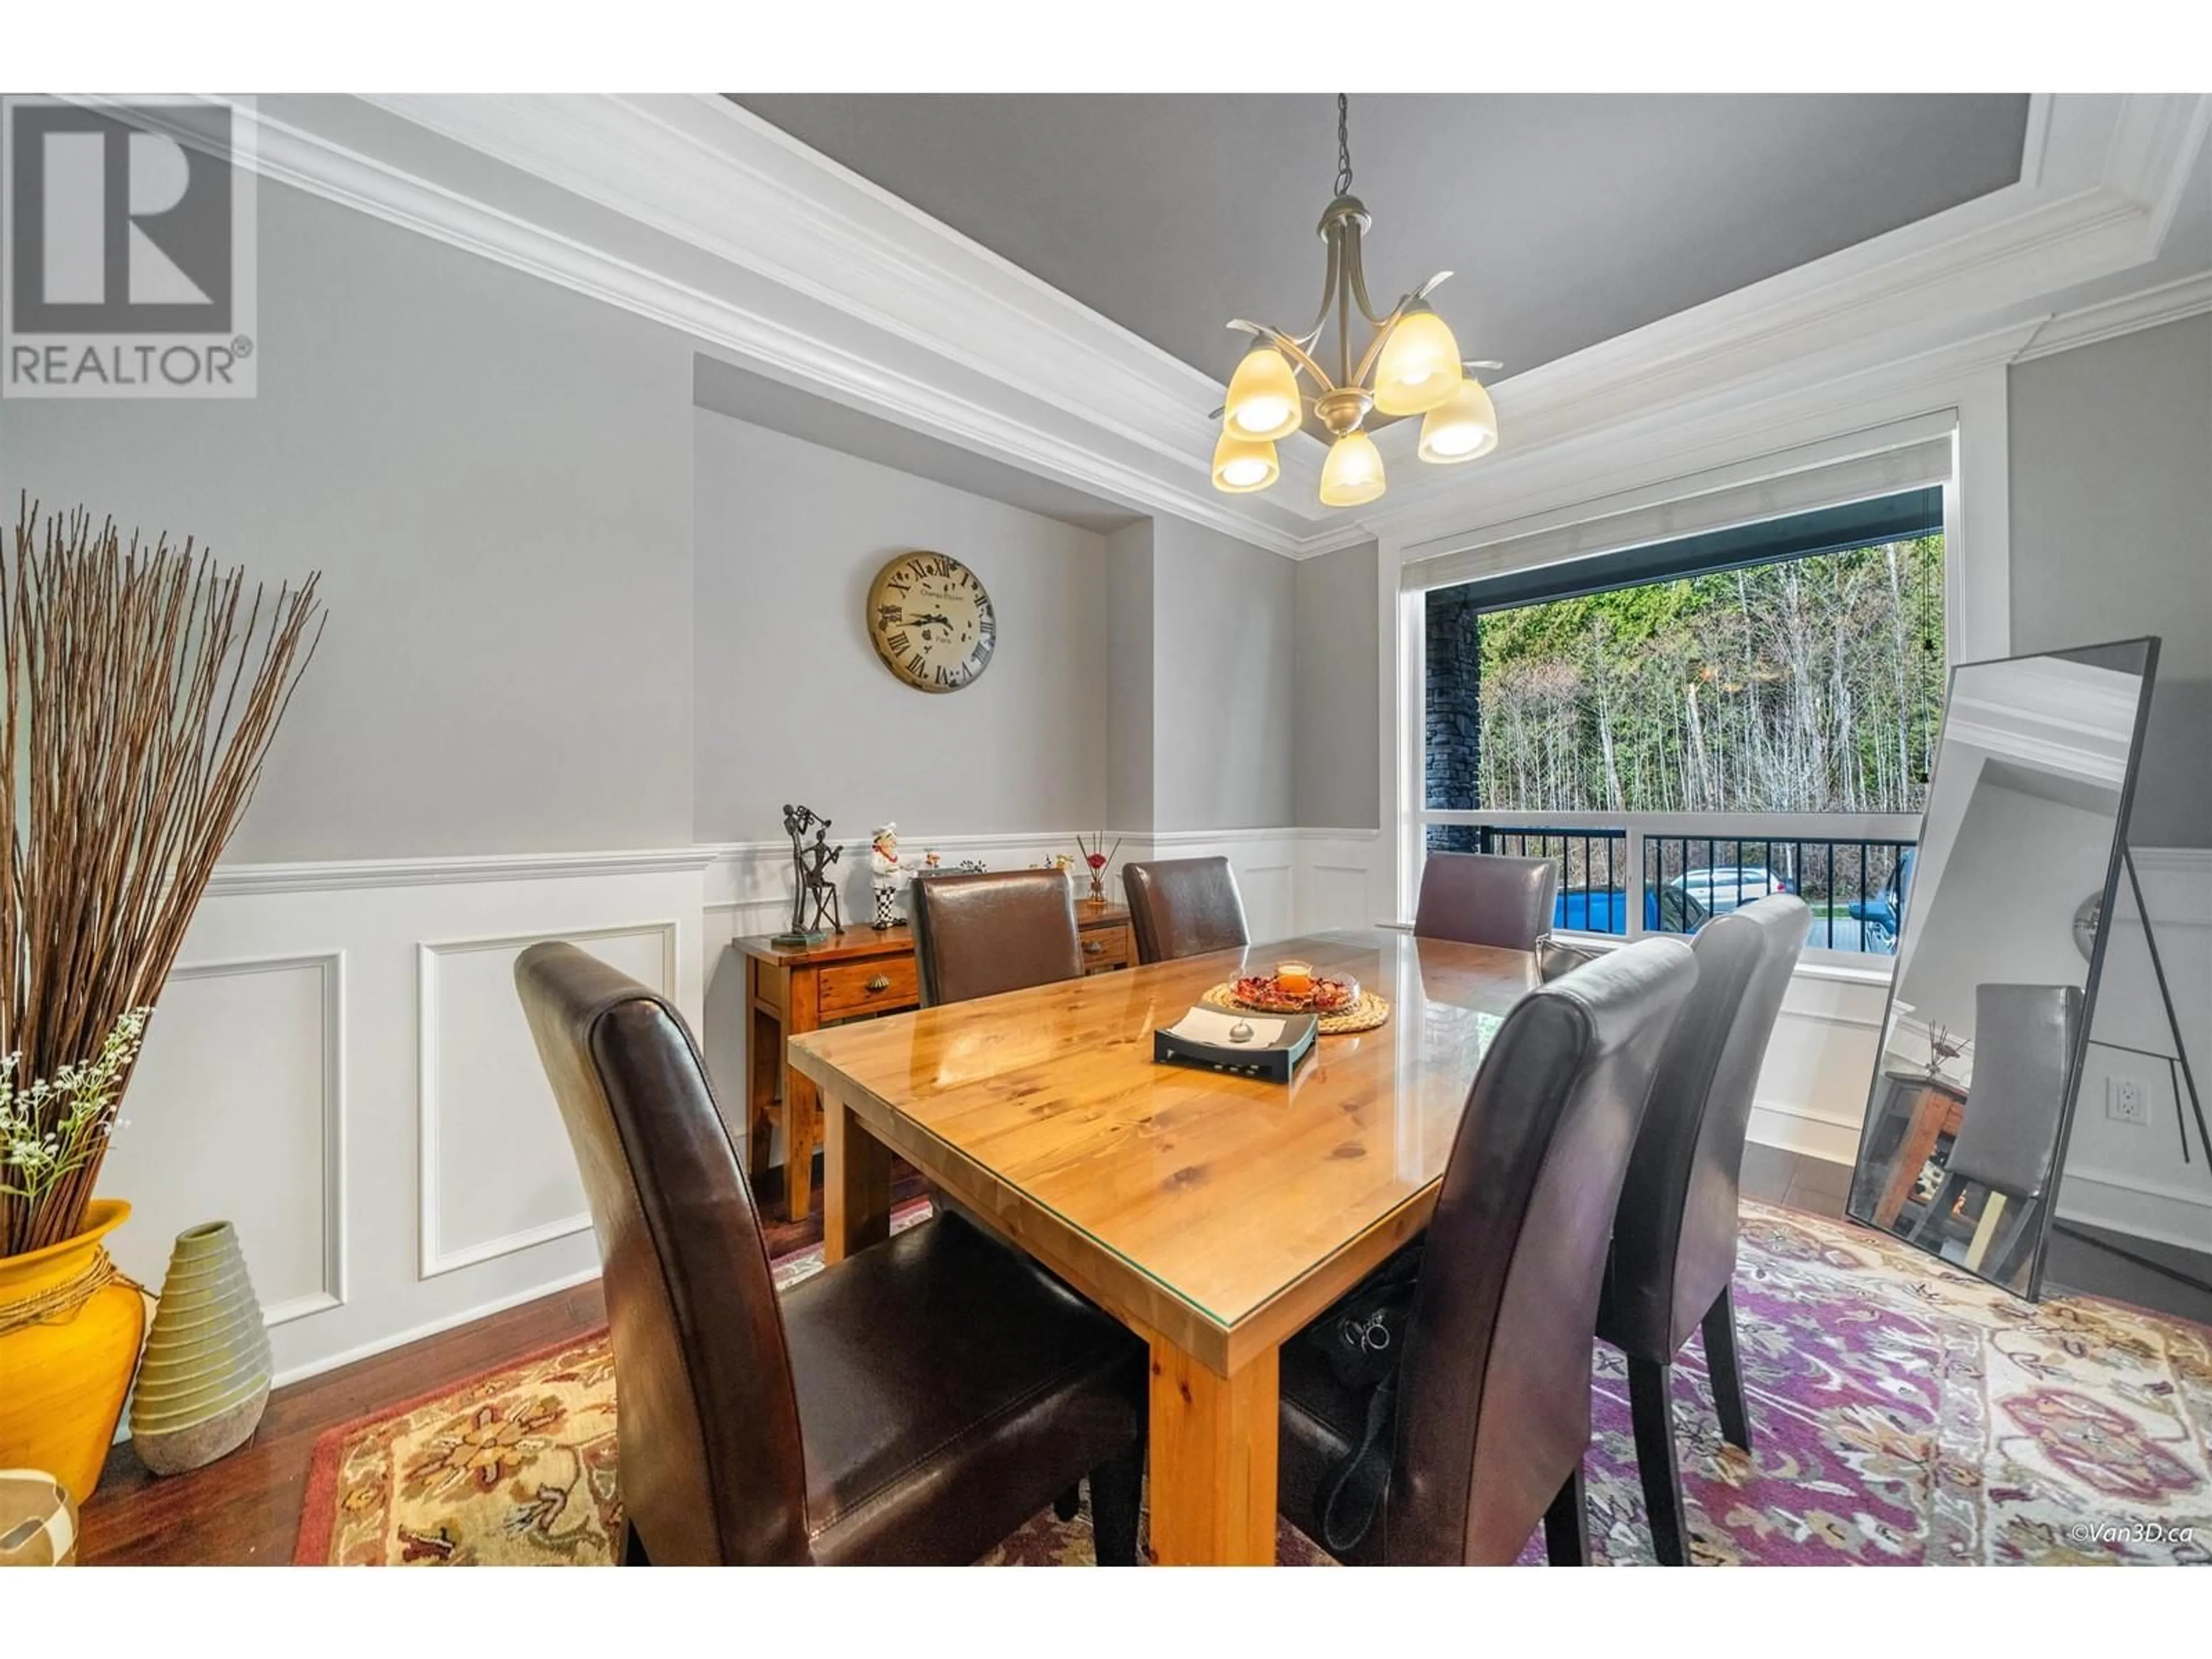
[[494, 476], [1129, 598], [794, 703], [1224, 626], [1335, 783], [2112, 535]]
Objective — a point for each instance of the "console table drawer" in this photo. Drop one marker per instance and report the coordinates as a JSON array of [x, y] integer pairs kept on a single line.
[[882, 986], [1104, 948]]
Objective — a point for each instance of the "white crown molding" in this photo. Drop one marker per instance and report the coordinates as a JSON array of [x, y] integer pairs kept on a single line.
[[2169, 302], [691, 210], [816, 348], [1658, 455], [235, 880]]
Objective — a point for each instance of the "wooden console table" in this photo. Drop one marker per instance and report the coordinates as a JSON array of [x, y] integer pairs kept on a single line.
[[857, 974], [1923, 1108]]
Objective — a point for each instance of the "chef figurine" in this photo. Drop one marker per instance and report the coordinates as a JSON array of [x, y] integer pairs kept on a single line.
[[886, 875]]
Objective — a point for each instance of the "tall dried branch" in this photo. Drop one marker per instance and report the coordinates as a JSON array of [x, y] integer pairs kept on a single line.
[[143, 687]]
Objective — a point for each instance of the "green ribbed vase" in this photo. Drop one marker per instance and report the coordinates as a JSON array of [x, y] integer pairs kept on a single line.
[[204, 1378]]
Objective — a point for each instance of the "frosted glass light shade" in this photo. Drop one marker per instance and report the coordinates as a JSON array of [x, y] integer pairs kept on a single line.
[[1462, 428], [1352, 475], [1418, 367], [204, 1377], [1263, 397], [1242, 465]]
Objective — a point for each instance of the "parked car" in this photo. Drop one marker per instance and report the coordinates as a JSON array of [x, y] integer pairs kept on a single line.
[[1726, 887], [1880, 915], [1673, 909]]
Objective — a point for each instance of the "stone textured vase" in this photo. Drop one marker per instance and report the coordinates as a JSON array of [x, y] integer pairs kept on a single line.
[[204, 1378], [63, 1372]]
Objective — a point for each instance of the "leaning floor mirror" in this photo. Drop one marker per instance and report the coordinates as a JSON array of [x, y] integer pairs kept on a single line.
[[1999, 949]]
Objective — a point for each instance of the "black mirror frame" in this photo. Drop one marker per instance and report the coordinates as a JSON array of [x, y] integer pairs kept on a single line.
[[2048, 1209]]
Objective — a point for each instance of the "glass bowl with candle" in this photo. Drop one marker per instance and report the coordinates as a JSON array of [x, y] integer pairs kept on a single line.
[[1295, 987]]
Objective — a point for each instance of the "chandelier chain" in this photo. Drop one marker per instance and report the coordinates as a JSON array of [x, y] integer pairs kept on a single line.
[[1343, 146]]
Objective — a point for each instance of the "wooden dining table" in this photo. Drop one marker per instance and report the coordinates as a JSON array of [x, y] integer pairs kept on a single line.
[[1214, 1214]]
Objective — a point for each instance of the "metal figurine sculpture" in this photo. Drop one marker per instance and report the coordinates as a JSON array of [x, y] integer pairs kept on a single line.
[[809, 863]]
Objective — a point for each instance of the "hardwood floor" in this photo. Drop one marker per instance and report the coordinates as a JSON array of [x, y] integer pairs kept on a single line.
[[245, 1510], [1774, 1176]]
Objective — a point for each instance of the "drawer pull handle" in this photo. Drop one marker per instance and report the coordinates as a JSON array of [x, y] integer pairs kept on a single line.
[[1094, 947], [880, 983]]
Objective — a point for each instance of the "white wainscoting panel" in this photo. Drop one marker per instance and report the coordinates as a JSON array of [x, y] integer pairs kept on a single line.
[[260, 1141], [1812, 1092], [339, 1066], [301, 1047], [1336, 884], [497, 1175], [2131, 1176]]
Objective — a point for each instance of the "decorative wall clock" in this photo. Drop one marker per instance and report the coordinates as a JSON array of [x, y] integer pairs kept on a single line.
[[931, 622]]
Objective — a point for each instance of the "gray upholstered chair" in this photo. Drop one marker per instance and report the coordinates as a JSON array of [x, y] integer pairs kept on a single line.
[[1674, 1233], [1184, 908], [2025, 1037], [1482, 898]]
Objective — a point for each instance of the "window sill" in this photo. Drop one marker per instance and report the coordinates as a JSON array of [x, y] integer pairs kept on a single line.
[[1840, 966]]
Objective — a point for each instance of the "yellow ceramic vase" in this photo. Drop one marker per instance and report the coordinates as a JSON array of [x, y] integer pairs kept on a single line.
[[66, 1375]]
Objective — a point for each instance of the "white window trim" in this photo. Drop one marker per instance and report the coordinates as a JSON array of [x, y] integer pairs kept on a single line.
[[1977, 610]]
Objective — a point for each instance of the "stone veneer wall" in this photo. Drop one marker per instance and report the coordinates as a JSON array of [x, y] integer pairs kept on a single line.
[[1453, 728]]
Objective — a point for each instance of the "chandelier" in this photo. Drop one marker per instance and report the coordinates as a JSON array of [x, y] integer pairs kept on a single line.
[[1413, 360]]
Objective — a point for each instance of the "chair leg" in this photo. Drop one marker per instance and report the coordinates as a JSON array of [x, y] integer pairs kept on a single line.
[[1655, 1460], [1115, 1486], [632, 1554], [1566, 1525], [2015, 1241], [1929, 1233], [1985, 1229], [1065, 1506], [1726, 1369]]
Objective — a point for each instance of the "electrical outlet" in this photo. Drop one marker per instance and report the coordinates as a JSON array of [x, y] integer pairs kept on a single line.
[[2126, 1100]]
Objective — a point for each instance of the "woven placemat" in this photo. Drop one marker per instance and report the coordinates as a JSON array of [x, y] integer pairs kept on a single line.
[[1364, 1015]]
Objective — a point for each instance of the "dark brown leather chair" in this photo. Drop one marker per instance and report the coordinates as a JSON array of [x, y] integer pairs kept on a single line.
[[978, 935], [915, 1403], [1494, 1395], [1484, 898], [1674, 1237], [1184, 908]]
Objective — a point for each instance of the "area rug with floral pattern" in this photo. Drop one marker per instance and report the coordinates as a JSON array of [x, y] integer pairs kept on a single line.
[[1901, 1413]]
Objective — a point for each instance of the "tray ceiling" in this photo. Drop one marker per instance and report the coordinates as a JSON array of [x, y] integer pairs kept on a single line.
[[1570, 220]]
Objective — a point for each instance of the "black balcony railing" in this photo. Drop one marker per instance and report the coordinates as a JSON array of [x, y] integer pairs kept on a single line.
[[1852, 886], [1674, 883]]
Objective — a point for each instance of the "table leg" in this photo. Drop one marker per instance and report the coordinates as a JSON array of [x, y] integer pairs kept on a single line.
[[1214, 1441], [1913, 1151], [801, 1101], [856, 1184], [764, 1060]]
